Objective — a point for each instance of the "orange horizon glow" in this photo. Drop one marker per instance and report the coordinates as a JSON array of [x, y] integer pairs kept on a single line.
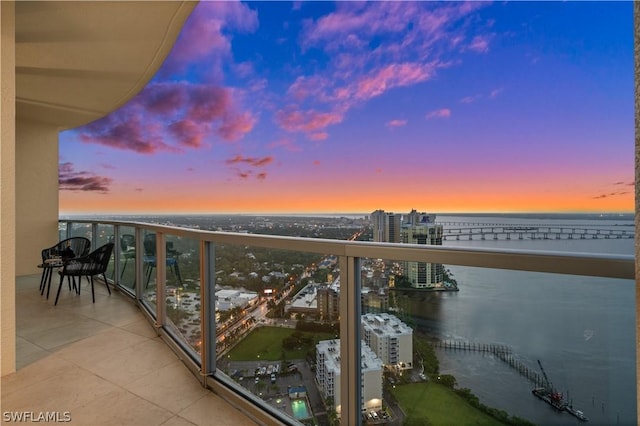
[[481, 204]]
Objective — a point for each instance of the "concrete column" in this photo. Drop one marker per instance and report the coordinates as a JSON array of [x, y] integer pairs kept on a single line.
[[36, 193], [7, 189]]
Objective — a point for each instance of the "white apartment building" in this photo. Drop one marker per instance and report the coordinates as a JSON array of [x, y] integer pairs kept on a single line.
[[328, 374], [389, 338]]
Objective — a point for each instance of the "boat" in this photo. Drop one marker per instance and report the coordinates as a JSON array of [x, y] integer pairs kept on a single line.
[[577, 413], [551, 396]]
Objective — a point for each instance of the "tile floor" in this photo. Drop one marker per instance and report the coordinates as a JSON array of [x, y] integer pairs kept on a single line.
[[103, 364]]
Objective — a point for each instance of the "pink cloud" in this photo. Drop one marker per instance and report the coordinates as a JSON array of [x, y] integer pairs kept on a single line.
[[309, 121], [125, 131], [470, 99], [316, 162], [252, 161], [355, 19], [495, 93], [235, 126], [202, 39], [207, 103], [187, 132], [355, 24], [318, 136], [418, 39], [192, 111], [479, 44], [396, 123], [439, 113], [163, 98], [305, 87], [70, 180]]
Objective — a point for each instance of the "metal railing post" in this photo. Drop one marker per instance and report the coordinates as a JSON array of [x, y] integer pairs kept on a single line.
[[139, 276], [117, 253], [207, 308], [161, 274], [350, 365], [94, 235]]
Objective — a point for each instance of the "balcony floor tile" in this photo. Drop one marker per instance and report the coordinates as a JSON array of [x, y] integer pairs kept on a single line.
[[103, 363]]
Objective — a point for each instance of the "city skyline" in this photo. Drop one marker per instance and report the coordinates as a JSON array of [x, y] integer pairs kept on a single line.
[[316, 107]]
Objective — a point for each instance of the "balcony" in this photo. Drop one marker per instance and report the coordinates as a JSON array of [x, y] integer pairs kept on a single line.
[[189, 349], [102, 363]]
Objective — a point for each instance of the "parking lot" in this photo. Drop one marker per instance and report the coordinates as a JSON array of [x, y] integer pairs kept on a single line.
[[276, 392]]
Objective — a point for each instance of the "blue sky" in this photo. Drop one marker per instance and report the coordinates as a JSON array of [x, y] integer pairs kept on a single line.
[[351, 106]]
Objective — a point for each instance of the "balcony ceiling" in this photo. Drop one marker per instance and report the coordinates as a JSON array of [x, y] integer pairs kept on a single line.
[[78, 61]]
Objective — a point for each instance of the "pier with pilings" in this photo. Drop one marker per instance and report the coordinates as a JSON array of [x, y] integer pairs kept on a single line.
[[502, 352], [534, 232]]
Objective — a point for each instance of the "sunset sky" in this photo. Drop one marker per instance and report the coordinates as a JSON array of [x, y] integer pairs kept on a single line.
[[317, 107]]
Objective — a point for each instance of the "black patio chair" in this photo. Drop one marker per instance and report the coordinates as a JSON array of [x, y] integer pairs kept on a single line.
[[53, 257], [95, 263]]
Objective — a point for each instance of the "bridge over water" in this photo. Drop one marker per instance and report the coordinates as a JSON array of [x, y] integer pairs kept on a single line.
[[533, 232]]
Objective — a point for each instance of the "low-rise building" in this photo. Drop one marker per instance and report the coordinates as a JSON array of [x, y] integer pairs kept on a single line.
[[328, 374], [227, 299], [389, 338]]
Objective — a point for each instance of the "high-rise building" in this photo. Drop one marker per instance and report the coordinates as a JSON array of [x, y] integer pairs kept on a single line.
[[420, 228], [415, 228], [389, 338], [328, 374], [386, 226]]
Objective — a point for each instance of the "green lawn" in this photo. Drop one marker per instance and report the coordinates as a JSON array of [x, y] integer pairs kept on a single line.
[[267, 342], [438, 405]]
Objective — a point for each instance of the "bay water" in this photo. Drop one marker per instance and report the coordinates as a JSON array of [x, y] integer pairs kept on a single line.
[[581, 329]]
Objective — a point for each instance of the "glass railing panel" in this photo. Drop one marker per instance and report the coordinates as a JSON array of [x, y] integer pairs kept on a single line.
[[268, 326], [149, 284], [480, 341], [62, 231], [104, 235], [127, 246], [80, 230], [182, 303]]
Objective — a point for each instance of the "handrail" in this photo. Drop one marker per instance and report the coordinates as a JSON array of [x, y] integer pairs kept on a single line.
[[585, 264]]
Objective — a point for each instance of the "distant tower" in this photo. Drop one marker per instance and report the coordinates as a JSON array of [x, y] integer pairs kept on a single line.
[[386, 227], [420, 228]]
